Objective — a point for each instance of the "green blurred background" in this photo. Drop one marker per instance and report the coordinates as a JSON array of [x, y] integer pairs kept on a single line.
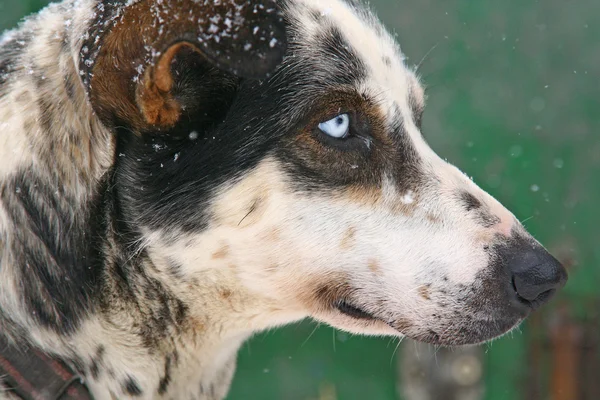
[[513, 101]]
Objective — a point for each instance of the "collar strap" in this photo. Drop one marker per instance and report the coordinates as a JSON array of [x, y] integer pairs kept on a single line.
[[32, 375]]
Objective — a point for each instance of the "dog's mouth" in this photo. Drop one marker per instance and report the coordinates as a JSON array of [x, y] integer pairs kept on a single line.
[[353, 311], [457, 332]]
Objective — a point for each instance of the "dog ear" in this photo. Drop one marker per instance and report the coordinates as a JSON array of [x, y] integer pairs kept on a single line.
[[143, 62]]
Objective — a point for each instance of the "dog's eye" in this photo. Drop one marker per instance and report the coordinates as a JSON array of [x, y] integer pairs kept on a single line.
[[337, 127]]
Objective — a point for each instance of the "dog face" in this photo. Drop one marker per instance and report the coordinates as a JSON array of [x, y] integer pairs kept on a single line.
[[313, 188]]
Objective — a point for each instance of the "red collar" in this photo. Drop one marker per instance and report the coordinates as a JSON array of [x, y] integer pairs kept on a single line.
[[32, 375]]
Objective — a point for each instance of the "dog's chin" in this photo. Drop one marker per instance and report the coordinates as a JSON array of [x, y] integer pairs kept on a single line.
[[462, 331], [459, 331]]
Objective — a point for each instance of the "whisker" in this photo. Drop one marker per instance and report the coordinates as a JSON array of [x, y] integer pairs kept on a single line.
[[527, 219], [310, 335], [418, 67]]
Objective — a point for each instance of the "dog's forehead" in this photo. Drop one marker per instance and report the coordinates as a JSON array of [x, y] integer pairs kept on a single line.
[[367, 47]]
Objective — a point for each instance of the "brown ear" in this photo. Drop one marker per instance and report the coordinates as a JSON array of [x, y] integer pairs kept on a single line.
[[127, 57]]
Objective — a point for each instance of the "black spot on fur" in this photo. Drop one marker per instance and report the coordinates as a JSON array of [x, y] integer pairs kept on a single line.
[[163, 385], [416, 107], [483, 216], [174, 269], [159, 312], [97, 361], [407, 162], [469, 201], [131, 387], [486, 219]]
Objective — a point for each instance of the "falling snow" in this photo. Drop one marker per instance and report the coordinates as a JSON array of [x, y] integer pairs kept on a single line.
[[408, 197]]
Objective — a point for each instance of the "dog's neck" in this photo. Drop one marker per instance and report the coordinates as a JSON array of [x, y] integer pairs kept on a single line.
[[159, 335]]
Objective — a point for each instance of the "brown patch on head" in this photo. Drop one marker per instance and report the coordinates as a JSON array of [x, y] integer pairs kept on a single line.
[[425, 292], [349, 238], [221, 253], [225, 293], [374, 267], [117, 58], [433, 218]]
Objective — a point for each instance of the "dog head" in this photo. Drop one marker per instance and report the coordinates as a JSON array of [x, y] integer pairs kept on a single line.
[[281, 145]]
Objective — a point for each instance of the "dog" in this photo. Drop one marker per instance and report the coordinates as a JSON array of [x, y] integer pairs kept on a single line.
[[177, 175]]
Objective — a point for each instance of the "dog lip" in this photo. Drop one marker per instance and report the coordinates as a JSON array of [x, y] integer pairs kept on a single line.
[[353, 311]]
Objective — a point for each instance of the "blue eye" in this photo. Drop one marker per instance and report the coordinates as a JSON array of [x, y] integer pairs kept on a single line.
[[336, 127]]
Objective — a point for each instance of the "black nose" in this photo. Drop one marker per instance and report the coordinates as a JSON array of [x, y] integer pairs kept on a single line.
[[535, 274]]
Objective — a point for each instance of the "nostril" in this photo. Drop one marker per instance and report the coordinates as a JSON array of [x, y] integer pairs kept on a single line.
[[533, 293], [529, 300], [521, 299]]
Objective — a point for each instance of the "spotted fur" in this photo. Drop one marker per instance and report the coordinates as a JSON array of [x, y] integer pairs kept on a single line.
[[165, 191]]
